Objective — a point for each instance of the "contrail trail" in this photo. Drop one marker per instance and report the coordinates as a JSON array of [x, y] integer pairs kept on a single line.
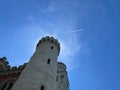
[[75, 31]]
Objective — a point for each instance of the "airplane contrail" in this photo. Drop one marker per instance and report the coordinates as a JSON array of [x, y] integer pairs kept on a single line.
[[74, 31]]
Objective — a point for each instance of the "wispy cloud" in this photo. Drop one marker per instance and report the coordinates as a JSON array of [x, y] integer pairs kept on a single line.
[[59, 21], [75, 31], [69, 50]]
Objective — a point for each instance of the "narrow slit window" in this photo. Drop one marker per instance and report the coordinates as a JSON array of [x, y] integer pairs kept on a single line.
[[42, 88], [52, 47], [48, 62]]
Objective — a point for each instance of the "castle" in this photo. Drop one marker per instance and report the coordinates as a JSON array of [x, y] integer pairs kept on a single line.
[[42, 72]]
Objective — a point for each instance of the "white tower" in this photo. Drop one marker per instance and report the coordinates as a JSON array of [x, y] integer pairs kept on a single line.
[[41, 71]]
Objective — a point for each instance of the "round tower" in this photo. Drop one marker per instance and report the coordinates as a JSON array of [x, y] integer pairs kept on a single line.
[[41, 71], [62, 77]]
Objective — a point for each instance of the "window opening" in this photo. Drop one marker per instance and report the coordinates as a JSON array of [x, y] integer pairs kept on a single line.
[[57, 78], [62, 76], [52, 47], [48, 61], [42, 88]]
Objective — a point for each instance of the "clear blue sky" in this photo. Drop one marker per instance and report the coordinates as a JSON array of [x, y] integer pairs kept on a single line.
[[88, 30]]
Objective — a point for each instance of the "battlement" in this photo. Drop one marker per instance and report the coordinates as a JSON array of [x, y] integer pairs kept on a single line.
[[13, 70], [61, 67], [51, 40], [62, 78], [4, 64], [19, 67], [3, 59]]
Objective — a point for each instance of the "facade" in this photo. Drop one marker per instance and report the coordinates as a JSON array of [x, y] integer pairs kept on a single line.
[[42, 72]]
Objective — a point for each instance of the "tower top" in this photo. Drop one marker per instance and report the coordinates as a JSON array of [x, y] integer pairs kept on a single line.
[[61, 67], [51, 40]]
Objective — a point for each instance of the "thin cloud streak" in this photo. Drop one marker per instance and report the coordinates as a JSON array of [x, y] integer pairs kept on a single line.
[[70, 47], [75, 31]]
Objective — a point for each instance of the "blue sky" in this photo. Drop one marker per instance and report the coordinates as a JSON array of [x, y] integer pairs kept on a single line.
[[88, 31]]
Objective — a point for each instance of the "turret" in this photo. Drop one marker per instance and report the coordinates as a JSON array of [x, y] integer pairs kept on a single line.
[[41, 71], [62, 77]]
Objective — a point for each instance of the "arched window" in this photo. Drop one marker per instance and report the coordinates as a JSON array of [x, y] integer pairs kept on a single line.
[[42, 88]]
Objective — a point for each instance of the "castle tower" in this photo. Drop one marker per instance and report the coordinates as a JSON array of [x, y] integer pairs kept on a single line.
[[62, 77], [41, 71]]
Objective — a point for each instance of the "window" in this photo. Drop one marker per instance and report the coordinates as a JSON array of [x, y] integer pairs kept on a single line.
[[62, 76], [57, 78], [42, 88], [52, 47], [48, 62]]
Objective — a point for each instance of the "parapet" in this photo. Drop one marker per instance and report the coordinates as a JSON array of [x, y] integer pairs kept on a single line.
[[19, 67], [51, 40], [61, 67], [4, 65], [13, 70], [3, 59]]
